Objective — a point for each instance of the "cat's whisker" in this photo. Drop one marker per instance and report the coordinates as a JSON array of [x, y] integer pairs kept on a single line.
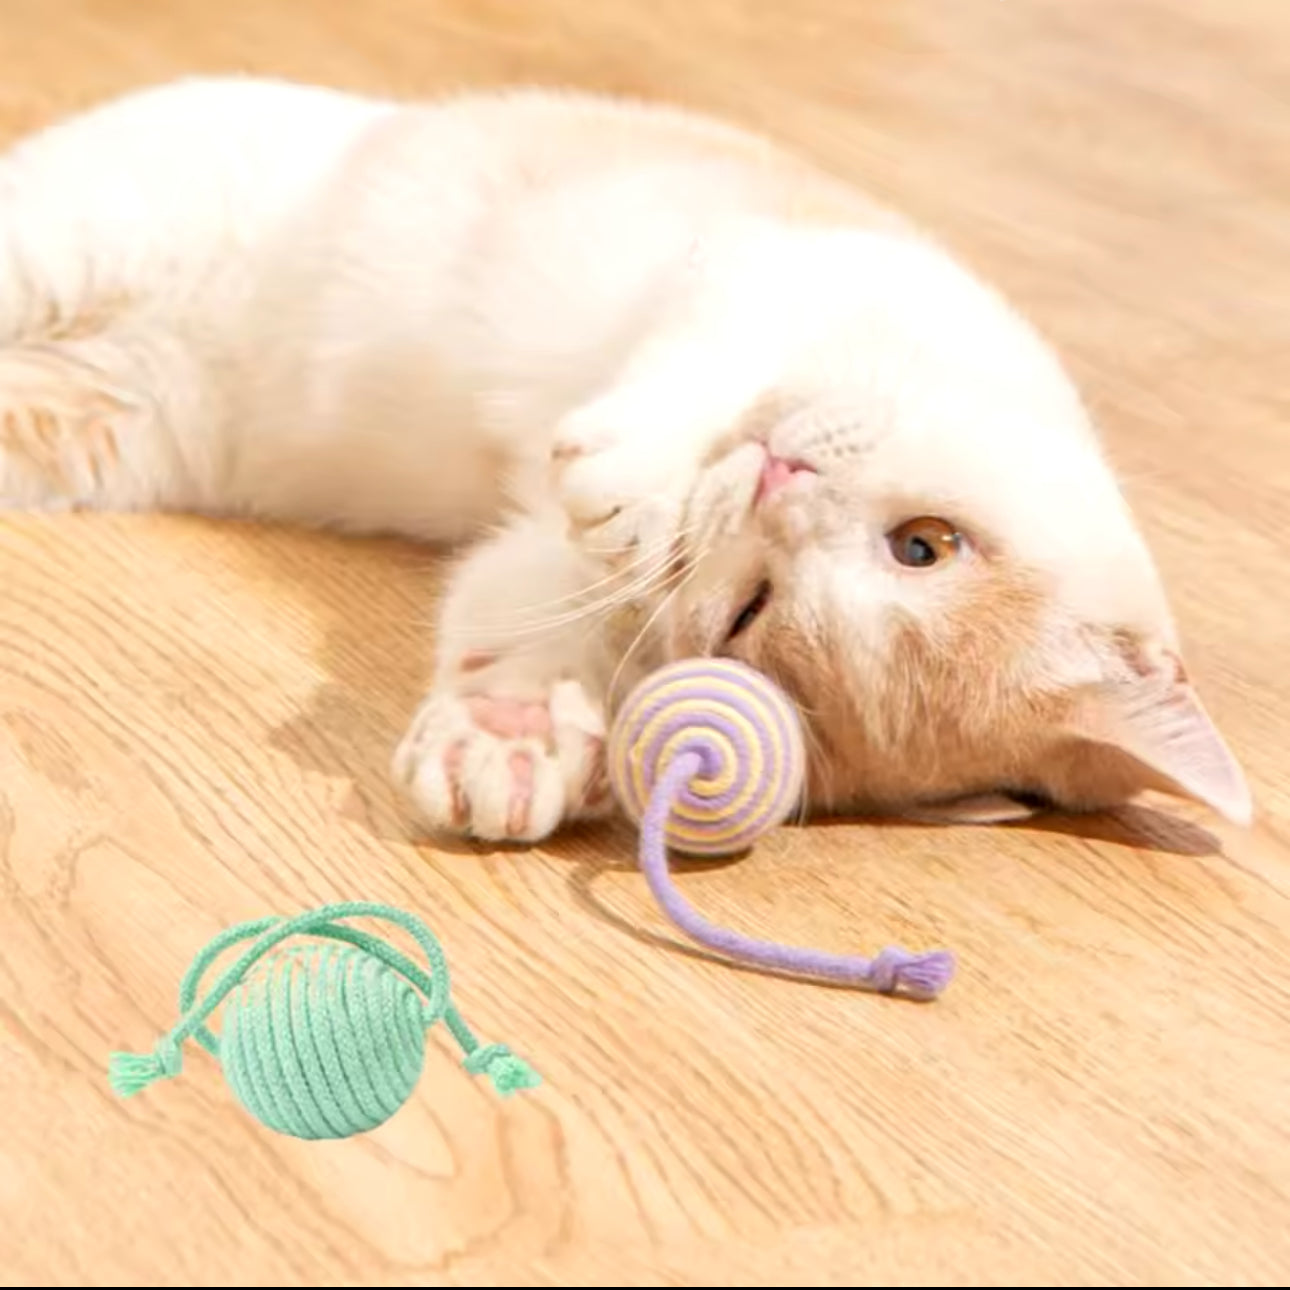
[[810, 739], [656, 577], [682, 579], [659, 556], [533, 638], [813, 745], [637, 586], [650, 554], [603, 605]]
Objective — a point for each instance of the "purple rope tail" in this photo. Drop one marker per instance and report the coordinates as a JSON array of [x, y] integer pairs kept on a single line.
[[894, 970]]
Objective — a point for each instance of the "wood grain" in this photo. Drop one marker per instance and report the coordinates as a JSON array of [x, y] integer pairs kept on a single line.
[[195, 722]]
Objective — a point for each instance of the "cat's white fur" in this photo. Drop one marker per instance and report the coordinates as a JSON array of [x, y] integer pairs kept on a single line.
[[575, 332]]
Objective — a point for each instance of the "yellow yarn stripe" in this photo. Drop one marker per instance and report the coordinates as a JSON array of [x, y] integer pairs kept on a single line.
[[755, 742]]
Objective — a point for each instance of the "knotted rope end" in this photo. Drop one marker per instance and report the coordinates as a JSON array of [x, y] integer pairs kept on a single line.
[[507, 1073], [131, 1073], [918, 976]]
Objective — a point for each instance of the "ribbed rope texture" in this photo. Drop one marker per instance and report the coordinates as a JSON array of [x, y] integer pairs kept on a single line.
[[321, 1040]]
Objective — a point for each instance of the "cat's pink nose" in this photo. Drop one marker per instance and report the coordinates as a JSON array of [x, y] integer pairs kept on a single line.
[[776, 472]]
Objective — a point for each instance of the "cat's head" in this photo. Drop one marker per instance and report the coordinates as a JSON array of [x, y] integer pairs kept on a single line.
[[915, 532]]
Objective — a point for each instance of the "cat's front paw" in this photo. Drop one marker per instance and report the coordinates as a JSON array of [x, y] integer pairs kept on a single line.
[[623, 492], [505, 769]]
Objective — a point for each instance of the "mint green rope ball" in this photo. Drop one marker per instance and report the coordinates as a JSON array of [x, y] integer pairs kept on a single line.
[[326, 1039], [323, 1042]]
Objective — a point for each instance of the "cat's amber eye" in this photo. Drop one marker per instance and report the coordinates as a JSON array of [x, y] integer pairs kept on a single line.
[[924, 541]]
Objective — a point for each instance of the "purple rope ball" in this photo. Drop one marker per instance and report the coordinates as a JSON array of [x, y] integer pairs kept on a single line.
[[706, 756], [748, 740]]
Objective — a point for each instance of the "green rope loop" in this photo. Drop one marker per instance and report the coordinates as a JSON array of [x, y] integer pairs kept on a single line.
[[329, 1066]]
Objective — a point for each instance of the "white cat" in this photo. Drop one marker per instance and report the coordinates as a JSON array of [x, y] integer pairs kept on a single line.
[[686, 394]]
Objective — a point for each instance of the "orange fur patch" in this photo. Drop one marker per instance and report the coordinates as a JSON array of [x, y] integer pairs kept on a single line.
[[939, 710]]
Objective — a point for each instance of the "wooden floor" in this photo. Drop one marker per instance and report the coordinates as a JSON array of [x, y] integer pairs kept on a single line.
[[195, 722]]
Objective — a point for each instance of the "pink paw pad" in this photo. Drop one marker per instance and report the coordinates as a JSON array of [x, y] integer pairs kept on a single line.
[[510, 718], [506, 768]]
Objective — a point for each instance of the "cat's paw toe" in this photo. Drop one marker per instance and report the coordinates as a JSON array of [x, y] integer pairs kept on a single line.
[[504, 769], [619, 491]]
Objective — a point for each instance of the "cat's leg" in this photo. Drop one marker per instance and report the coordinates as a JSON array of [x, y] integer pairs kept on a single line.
[[123, 419], [92, 374], [510, 741], [625, 461], [129, 241]]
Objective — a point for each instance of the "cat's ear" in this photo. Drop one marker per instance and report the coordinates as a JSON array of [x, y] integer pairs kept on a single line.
[[1154, 729]]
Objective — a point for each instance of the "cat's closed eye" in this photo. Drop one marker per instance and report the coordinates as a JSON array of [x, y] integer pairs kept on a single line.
[[924, 541], [747, 615]]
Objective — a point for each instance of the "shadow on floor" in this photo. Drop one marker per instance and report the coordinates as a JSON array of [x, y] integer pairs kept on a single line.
[[371, 605]]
